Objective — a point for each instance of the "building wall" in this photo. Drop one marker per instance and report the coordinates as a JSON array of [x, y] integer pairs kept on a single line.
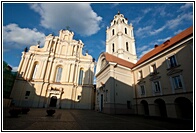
[[114, 91], [168, 95], [38, 74]]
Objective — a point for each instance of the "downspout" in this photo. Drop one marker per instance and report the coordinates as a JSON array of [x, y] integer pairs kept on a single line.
[[135, 93], [115, 89]]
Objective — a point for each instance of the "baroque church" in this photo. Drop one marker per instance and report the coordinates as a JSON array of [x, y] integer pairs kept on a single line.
[[158, 84], [57, 75]]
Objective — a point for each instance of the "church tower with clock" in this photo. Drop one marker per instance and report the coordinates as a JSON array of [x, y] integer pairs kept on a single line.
[[120, 40]]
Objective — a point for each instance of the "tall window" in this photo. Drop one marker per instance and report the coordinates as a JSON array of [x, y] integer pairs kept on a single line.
[[172, 61], [80, 76], [27, 94], [140, 75], [153, 69], [58, 74], [177, 82], [35, 71], [113, 47], [125, 30], [157, 87], [127, 46], [142, 89], [113, 32]]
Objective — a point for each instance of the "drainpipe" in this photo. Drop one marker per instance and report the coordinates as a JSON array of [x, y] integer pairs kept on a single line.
[[135, 93], [115, 89]]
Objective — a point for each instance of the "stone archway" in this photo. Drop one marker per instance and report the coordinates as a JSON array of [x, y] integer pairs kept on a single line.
[[184, 108], [160, 107], [53, 101], [145, 108]]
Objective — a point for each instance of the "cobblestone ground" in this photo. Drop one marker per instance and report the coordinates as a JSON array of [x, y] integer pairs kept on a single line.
[[37, 119]]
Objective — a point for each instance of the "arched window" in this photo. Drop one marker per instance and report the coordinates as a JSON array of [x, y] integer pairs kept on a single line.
[[113, 47], [73, 50], [80, 76], [58, 74], [127, 46], [35, 70], [113, 32], [125, 30], [123, 21]]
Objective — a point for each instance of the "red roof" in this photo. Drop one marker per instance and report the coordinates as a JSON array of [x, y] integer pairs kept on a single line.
[[112, 58], [166, 45]]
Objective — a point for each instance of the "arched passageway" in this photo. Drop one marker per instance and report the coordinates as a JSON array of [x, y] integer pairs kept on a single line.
[[184, 108], [160, 107], [53, 101], [144, 105]]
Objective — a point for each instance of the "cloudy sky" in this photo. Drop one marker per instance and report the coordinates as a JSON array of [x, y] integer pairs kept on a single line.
[[24, 24]]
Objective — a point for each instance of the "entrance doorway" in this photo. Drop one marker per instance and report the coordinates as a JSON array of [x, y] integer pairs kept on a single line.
[[145, 107], [53, 101], [184, 108], [161, 107]]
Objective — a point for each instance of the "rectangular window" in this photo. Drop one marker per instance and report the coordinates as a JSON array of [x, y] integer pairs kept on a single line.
[[172, 61], [140, 75], [129, 104], [157, 87], [27, 93], [80, 77], [79, 97], [35, 71], [153, 69], [142, 89], [177, 82], [58, 75]]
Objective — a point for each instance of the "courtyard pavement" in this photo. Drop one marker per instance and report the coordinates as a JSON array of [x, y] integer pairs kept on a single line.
[[84, 120]]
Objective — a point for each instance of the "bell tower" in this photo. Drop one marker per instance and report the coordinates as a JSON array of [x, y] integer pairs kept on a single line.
[[120, 40]]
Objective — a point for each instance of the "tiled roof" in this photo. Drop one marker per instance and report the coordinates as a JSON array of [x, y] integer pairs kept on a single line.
[[166, 45], [112, 58]]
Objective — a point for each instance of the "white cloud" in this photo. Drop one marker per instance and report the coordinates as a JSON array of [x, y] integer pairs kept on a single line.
[[16, 37], [114, 5], [145, 11], [79, 17], [180, 30], [157, 30], [137, 20], [141, 32], [144, 52], [179, 20], [14, 69], [185, 6], [162, 40], [139, 49]]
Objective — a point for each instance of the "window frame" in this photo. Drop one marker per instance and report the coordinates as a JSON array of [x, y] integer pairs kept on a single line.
[[142, 90], [81, 76], [59, 71], [172, 59], [153, 69], [127, 46], [35, 69], [155, 87], [113, 32], [140, 75], [113, 49]]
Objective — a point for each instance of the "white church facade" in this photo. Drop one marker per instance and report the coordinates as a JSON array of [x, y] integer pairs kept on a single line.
[[57, 75]]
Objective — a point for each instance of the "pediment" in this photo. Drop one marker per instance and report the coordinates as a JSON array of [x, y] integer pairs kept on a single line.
[[174, 71], [155, 78]]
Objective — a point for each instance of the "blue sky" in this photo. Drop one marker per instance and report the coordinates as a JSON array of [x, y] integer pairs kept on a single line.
[[24, 24]]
